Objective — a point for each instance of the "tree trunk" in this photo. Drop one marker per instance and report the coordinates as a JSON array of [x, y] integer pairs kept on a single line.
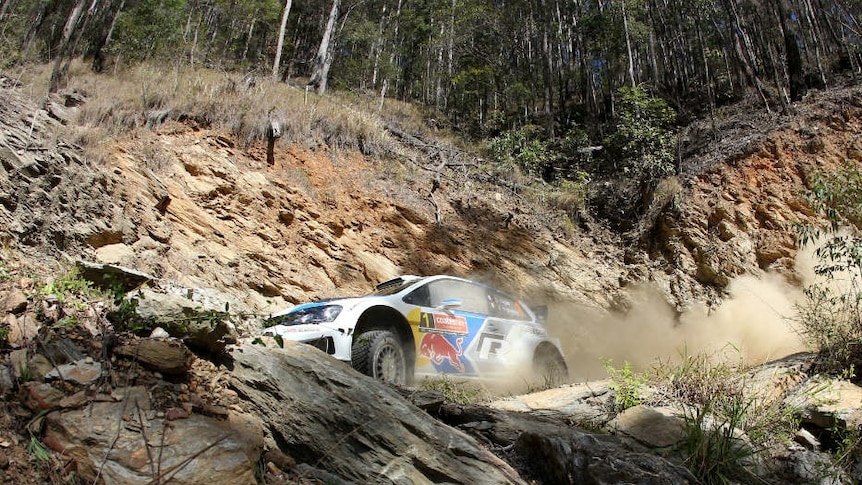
[[249, 36], [277, 63], [68, 31], [4, 8], [35, 25], [73, 47], [796, 77], [323, 60], [98, 55], [628, 44]]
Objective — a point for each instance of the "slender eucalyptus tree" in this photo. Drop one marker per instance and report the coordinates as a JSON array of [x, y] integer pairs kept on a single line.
[[281, 30], [324, 57]]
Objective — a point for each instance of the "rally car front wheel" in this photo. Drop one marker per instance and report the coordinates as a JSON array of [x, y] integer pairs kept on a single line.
[[379, 354]]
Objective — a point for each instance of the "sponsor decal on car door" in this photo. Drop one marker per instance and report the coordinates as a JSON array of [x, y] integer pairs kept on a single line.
[[441, 339]]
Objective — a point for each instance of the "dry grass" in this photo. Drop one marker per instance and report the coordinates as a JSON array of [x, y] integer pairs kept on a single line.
[[727, 389], [147, 95]]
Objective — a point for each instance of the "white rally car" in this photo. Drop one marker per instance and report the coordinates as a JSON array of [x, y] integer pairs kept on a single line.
[[414, 326]]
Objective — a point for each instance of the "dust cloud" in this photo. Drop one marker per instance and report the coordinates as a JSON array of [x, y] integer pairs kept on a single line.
[[754, 323]]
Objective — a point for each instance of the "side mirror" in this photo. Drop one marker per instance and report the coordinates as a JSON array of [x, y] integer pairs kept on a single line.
[[541, 312], [449, 304]]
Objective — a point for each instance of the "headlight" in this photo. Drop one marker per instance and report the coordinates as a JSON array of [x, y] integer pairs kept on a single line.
[[314, 314]]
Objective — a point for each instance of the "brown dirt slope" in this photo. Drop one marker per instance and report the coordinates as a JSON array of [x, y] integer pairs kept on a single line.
[[196, 206]]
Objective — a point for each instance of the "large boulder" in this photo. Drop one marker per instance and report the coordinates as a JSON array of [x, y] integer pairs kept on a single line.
[[323, 413], [552, 452], [127, 443], [199, 326]]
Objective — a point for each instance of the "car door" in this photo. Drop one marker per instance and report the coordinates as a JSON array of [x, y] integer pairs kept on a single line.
[[493, 349], [451, 313]]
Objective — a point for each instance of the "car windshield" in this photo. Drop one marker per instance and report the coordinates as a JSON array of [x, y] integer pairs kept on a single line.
[[394, 286]]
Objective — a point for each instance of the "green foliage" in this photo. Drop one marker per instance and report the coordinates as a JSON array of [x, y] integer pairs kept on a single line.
[[524, 148], [696, 379], [469, 89], [643, 144], [37, 450], [68, 321], [577, 155], [849, 448], [151, 28], [627, 385], [715, 451], [571, 195], [457, 391], [23, 372], [838, 196], [67, 286], [124, 314], [831, 315], [195, 318], [727, 419], [69, 289]]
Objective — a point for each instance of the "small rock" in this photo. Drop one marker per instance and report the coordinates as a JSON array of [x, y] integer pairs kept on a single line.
[[806, 439], [280, 460], [74, 401], [115, 254], [214, 411], [106, 275], [15, 302], [62, 351], [6, 380], [80, 372], [59, 112], [168, 357], [159, 332], [286, 217], [271, 468], [39, 365], [173, 414], [654, 427], [21, 330], [41, 396]]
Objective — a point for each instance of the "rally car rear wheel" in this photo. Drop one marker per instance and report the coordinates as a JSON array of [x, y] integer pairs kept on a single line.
[[379, 354], [549, 367]]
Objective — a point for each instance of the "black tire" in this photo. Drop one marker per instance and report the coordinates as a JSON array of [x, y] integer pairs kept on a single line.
[[549, 367], [380, 354]]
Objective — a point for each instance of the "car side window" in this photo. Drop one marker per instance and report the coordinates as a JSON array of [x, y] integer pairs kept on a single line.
[[504, 306], [419, 297], [473, 298]]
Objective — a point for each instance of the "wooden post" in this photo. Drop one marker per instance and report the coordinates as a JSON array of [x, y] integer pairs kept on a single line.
[[273, 131]]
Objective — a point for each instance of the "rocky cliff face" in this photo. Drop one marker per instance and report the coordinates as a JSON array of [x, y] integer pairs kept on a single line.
[[187, 204], [738, 215], [192, 207]]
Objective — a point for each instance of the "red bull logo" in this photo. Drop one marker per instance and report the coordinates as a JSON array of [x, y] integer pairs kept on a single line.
[[437, 349]]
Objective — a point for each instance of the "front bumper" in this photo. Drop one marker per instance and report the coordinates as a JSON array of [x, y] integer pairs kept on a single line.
[[329, 340]]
